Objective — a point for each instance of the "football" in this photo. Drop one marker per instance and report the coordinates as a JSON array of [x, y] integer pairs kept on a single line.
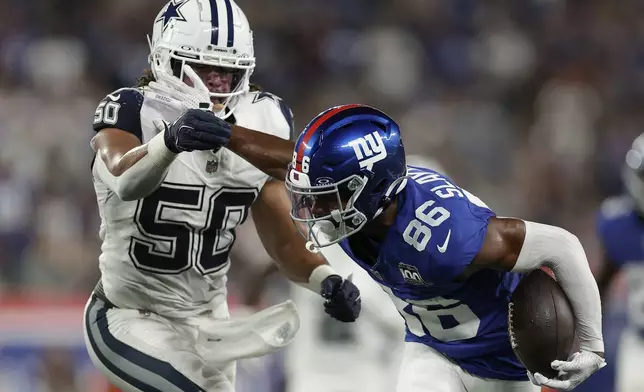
[[541, 323]]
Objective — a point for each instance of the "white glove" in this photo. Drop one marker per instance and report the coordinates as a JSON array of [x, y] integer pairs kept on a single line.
[[180, 94], [532, 380], [572, 372]]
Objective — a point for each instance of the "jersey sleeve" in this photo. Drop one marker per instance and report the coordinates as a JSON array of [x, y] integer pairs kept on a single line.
[[458, 239], [121, 110]]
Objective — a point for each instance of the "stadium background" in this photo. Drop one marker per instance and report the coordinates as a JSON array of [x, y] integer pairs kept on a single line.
[[529, 104]]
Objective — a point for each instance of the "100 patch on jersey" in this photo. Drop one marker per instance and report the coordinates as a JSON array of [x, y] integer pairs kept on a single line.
[[411, 274]]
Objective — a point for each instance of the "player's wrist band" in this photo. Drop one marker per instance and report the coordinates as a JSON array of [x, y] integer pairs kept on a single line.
[[158, 152], [318, 275]]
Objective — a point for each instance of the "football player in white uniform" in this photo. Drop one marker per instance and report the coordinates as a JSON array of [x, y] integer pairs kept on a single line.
[[172, 183]]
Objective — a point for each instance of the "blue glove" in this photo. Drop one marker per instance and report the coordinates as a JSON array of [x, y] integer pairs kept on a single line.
[[342, 298], [197, 129]]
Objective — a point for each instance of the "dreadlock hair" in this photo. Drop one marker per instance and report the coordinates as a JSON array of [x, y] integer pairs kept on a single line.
[[148, 77]]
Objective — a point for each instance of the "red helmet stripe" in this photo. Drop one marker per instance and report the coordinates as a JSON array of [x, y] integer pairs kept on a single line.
[[309, 132]]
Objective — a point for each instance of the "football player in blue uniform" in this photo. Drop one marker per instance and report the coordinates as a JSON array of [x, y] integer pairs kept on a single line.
[[446, 260], [620, 227]]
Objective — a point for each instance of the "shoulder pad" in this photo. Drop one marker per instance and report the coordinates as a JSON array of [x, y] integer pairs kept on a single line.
[[121, 110], [286, 113]]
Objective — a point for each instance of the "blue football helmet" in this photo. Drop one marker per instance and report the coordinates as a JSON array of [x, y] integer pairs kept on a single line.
[[347, 165]]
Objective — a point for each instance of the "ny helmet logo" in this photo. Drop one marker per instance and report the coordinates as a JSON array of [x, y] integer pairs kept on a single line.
[[369, 150]]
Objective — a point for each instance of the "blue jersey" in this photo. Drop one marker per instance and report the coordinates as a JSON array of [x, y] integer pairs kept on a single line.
[[438, 231], [621, 232]]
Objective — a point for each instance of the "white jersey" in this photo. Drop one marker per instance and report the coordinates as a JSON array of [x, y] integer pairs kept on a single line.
[[332, 356], [168, 252]]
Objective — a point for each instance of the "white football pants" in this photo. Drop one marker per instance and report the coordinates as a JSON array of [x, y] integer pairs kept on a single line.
[[424, 369], [141, 351]]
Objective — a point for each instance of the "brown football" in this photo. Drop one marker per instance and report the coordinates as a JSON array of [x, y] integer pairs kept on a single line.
[[541, 323]]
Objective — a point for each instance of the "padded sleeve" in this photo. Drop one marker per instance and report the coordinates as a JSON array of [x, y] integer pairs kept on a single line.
[[121, 110]]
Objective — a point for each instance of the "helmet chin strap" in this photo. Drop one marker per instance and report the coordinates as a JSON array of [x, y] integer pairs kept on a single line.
[[225, 109]]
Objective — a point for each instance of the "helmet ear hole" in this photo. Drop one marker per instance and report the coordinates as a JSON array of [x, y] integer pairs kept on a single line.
[[380, 187], [176, 66], [384, 201]]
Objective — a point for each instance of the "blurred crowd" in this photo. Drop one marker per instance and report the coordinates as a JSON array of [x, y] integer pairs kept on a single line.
[[529, 104]]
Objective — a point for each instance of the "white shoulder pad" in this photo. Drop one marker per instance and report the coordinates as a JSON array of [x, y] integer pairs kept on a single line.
[[265, 112]]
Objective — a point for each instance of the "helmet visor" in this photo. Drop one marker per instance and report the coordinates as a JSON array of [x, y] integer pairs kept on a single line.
[[325, 214]]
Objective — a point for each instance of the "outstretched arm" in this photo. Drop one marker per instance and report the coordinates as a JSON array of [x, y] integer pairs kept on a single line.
[[271, 214], [265, 151], [134, 170], [268, 153], [281, 239]]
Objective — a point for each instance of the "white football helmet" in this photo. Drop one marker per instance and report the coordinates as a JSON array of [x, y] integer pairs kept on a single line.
[[208, 32]]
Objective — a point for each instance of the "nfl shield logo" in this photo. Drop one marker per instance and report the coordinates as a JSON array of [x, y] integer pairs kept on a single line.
[[212, 166]]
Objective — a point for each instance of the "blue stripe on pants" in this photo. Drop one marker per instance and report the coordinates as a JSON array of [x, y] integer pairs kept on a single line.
[[126, 362]]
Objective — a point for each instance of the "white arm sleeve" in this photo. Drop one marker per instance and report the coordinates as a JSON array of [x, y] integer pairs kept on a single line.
[[562, 252], [142, 178]]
